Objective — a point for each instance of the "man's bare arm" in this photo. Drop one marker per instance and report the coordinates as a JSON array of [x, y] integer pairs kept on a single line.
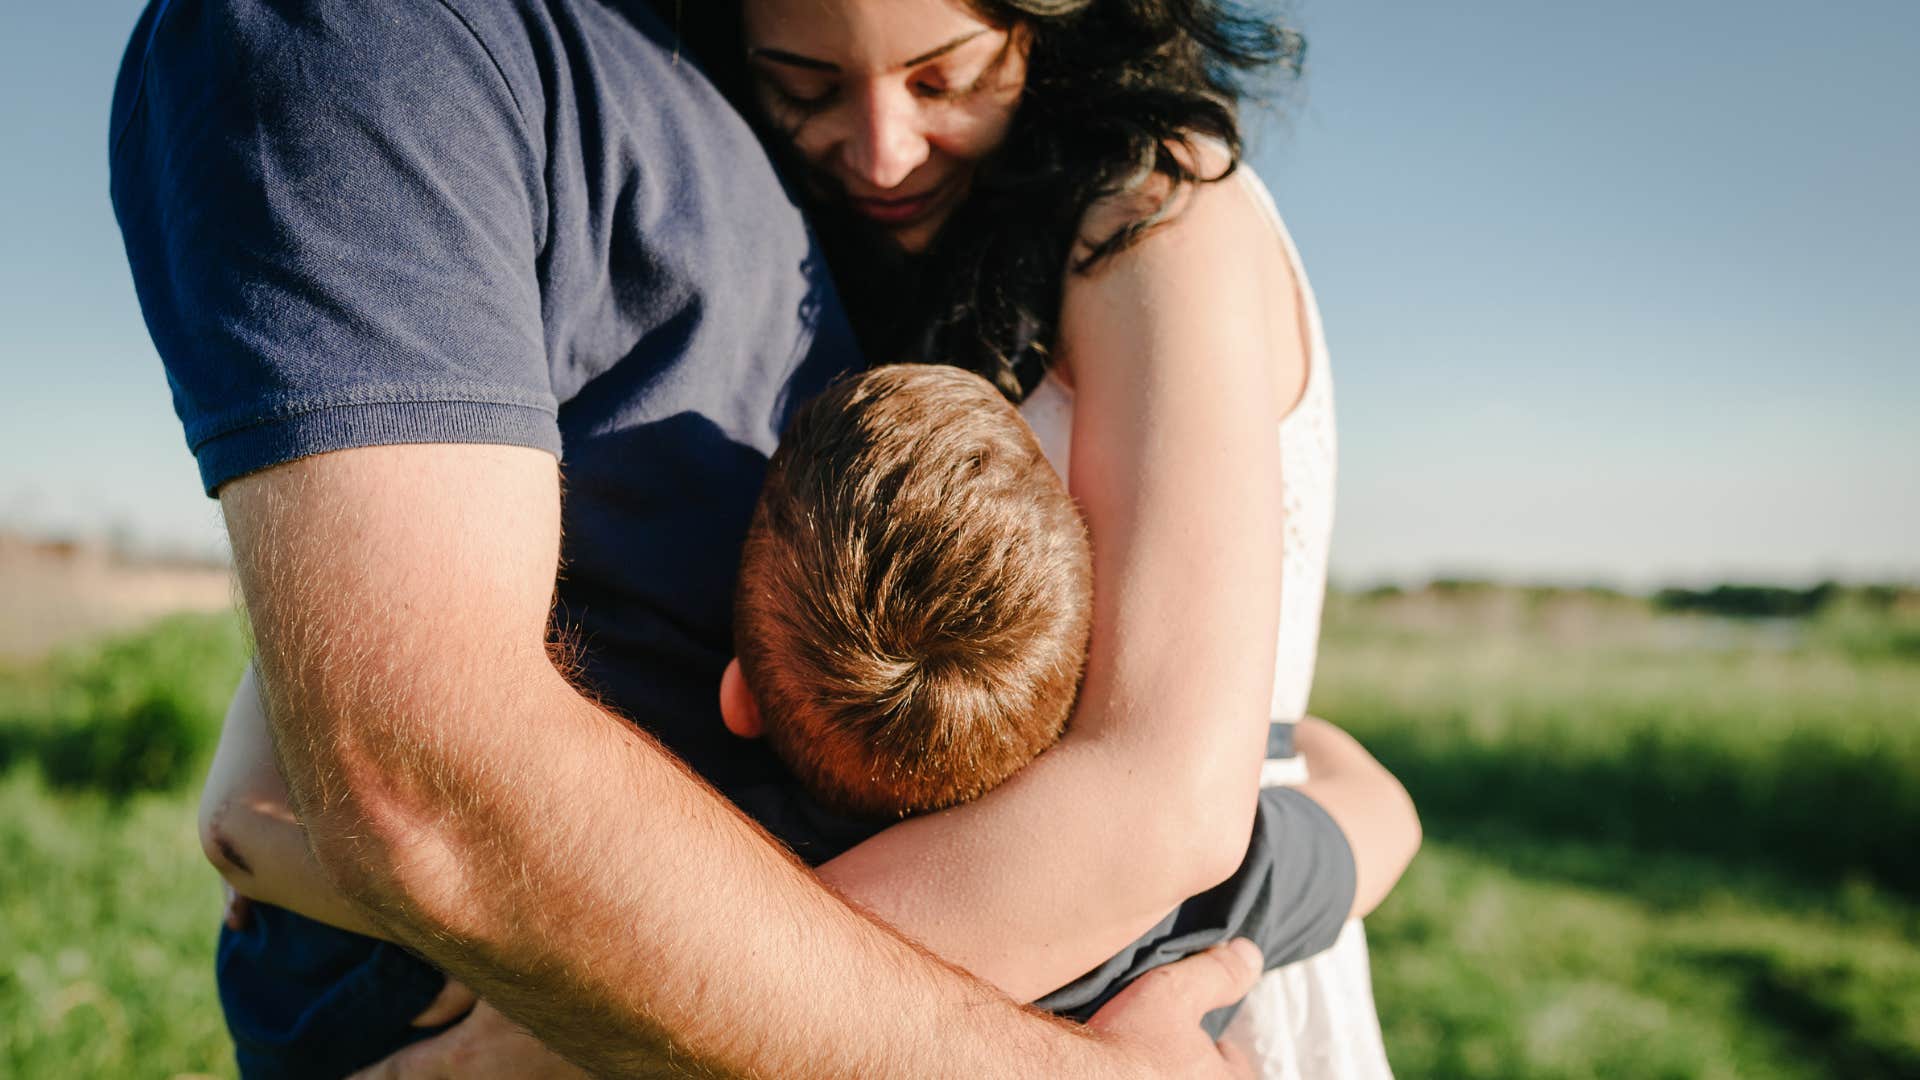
[[466, 799]]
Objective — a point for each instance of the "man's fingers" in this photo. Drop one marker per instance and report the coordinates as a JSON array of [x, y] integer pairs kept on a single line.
[[1236, 1060], [453, 1002], [239, 911], [483, 1046], [1160, 1015], [421, 1061], [1210, 980]]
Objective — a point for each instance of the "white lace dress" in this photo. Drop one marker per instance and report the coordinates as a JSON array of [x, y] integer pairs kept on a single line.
[[1315, 1018]]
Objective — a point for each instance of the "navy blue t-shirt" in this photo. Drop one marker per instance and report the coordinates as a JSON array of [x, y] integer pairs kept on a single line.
[[359, 222], [531, 222]]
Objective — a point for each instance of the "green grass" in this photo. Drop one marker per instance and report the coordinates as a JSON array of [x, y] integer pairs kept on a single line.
[[108, 916], [106, 937], [134, 712], [1658, 845], [1500, 957], [1766, 742]]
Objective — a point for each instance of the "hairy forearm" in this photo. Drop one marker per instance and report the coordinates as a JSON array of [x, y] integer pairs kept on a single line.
[[627, 972], [472, 803]]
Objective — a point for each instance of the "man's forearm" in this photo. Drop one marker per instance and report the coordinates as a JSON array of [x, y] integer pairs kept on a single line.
[[540, 850], [713, 948]]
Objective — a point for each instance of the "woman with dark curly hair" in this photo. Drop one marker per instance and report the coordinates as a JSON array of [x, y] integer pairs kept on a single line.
[[1049, 193]]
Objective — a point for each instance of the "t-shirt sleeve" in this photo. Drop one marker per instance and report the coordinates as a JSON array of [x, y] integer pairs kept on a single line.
[[1298, 879], [1291, 895], [333, 214]]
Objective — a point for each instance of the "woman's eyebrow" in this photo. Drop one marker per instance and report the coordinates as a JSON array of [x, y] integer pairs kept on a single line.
[[787, 59], [781, 56], [944, 49]]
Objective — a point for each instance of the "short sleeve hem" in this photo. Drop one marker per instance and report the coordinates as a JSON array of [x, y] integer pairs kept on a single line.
[[1336, 879], [240, 451]]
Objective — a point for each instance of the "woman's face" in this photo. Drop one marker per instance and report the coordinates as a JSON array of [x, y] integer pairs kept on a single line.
[[892, 102]]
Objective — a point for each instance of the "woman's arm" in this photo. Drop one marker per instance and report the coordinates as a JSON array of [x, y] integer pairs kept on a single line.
[[249, 831], [1175, 462]]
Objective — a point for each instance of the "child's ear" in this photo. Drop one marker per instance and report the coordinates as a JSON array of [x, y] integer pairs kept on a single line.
[[738, 710]]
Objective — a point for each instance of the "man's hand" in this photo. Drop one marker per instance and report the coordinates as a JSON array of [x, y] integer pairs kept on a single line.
[[453, 1002], [484, 1046], [239, 912], [1158, 1017]]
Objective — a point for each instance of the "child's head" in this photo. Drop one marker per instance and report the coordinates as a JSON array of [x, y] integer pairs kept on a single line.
[[914, 597]]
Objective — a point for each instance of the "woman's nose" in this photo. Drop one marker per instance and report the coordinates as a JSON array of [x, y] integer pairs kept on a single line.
[[886, 142]]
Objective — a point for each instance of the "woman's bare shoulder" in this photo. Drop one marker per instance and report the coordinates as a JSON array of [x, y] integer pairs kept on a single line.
[[1157, 197], [1214, 264]]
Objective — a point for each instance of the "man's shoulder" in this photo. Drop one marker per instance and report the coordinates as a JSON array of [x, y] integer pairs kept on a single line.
[[270, 44]]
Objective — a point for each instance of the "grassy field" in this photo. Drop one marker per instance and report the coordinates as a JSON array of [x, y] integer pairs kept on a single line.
[[1658, 845], [108, 914]]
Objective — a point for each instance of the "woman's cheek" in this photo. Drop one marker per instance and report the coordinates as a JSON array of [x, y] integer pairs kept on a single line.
[[811, 139], [976, 139]]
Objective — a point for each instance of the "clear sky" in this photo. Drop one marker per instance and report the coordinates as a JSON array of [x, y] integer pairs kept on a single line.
[[1618, 292]]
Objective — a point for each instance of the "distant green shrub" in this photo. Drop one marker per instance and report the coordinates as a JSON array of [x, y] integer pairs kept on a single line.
[[1461, 586], [1870, 627], [153, 745], [1749, 601], [137, 712]]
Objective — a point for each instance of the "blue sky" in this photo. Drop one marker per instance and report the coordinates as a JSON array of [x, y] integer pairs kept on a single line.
[[1615, 292]]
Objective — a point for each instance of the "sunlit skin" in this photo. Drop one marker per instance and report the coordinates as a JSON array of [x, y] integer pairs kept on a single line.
[[894, 103]]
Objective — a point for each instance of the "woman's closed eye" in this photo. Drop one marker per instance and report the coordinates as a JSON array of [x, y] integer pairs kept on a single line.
[[955, 80], [934, 88], [817, 97], [809, 97]]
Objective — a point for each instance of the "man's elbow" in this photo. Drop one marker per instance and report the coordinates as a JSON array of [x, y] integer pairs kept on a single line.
[[357, 853], [395, 864]]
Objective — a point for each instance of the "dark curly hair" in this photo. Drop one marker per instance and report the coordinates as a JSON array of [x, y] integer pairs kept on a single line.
[[1117, 94]]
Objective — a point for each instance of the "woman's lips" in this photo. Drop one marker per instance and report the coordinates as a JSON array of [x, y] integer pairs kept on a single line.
[[897, 212]]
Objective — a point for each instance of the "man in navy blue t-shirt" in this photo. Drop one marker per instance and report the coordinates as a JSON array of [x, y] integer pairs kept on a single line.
[[409, 264]]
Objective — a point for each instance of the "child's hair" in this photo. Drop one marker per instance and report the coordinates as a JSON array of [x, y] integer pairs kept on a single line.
[[915, 593]]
